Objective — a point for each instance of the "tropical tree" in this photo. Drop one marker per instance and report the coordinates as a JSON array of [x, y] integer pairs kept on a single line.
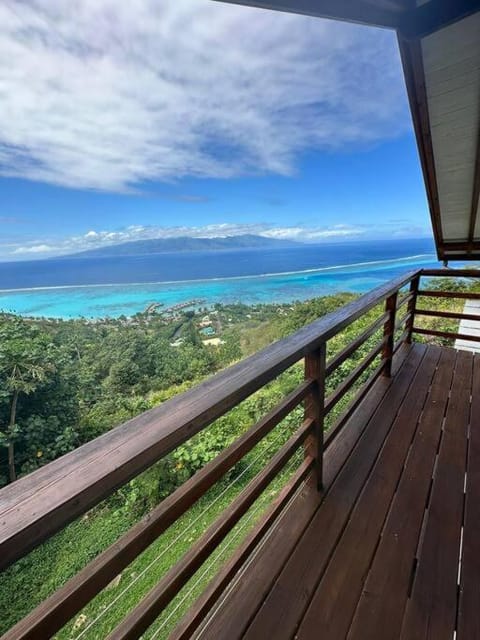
[[26, 360]]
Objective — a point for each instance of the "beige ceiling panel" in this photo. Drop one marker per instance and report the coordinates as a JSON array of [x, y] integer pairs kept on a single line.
[[451, 60]]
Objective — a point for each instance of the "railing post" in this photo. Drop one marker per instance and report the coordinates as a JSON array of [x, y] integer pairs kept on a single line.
[[412, 305], [389, 333], [315, 407]]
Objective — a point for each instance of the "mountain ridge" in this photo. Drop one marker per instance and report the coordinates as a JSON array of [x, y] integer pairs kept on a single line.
[[185, 243]]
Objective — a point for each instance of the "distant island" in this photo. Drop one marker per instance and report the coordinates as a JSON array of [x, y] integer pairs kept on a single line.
[[174, 245]]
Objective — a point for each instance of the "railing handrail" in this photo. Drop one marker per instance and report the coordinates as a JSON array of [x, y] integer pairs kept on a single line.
[[446, 272], [37, 506]]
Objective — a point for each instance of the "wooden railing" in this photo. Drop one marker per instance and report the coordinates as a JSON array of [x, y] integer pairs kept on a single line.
[[40, 504], [421, 295]]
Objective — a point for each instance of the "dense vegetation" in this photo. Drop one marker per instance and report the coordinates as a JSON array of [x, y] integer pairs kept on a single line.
[[63, 383]]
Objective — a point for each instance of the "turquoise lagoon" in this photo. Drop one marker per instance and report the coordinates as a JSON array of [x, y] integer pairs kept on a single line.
[[113, 300]]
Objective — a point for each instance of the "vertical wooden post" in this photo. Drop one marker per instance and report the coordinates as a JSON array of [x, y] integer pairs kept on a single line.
[[412, 305], [389, 333], [314, 407]]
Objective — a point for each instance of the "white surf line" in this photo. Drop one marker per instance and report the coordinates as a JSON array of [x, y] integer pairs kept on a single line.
[[424, 257]]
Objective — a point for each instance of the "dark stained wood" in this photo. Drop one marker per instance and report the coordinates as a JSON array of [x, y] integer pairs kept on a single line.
[[461, 250], [388, 334], [411, 22], [365, 12], [469, 597], [340, 422], [249, 588], [451, 273], [362, 467], [447, 314], [431, 609], [412, 62], [350, 380], [389, 574], [50, 616], [462, 295], [315, 407], [35, 507], [283, 608], [412, 304], [350, 349], [473, 250], [402, 340], [334, 601], [404, 321], [446, 334], [365, 572], [145, 613], [376, 387], [382, 603], [204, 603], [248, 591], [435, 15], [405, 299]]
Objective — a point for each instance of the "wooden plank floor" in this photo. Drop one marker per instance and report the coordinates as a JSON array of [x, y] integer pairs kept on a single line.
[[391, 550]]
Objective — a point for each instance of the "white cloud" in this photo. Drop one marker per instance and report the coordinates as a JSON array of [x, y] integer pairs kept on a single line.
[[311, 234], [106, 95], [93, 239], [35, 248]]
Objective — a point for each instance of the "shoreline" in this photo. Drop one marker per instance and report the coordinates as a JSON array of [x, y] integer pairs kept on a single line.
[[346, 267]]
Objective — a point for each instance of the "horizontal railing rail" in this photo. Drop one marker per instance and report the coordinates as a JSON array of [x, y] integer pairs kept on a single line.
[[164, 592], [429, 294], [447, 334], [37, 506], [450, 315]]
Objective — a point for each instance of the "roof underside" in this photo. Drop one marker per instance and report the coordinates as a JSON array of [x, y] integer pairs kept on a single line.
[[440, 48]]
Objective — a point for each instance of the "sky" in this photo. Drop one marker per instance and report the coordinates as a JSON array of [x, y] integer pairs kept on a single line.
[[141, 119]]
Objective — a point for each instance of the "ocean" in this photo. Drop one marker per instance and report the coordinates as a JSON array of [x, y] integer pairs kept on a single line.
[[100, 287]]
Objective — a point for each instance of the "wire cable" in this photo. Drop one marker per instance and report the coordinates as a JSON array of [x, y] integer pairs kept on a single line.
[[179, 537], [220, 555]]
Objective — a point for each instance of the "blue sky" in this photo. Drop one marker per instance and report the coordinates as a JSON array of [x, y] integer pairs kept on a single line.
[[196, 118]]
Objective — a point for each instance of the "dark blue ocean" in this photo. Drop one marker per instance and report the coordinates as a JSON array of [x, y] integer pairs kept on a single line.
[[98, 287]]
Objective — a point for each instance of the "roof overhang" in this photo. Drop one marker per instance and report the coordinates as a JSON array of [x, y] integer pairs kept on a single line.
[[440, 49]]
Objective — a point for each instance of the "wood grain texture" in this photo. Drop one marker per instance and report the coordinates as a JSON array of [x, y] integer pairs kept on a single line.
[[202, 606], [334, 601], [388, 333], [315, 408], [447, 314], [352, 377], [469, 596], [238, 606], [363, 574], [35, 507], [431, 610], [145, 613], [284, 607], [350, 349], [462, 295], [380, 609], [451, 273], [50, 616], [412, 306], [446, 334]]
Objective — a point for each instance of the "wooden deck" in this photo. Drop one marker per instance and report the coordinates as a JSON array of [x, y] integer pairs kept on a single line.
[[391, 548], [374, 536]]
